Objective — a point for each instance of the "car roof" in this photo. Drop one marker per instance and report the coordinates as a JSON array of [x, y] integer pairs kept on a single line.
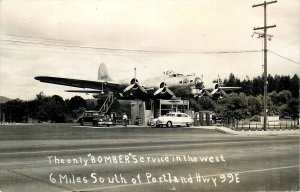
[[91, 111]]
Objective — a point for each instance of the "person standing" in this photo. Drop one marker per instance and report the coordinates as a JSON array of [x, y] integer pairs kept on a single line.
[[125, 119]]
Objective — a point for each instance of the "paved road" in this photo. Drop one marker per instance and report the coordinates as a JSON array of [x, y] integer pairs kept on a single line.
[[59, 157]]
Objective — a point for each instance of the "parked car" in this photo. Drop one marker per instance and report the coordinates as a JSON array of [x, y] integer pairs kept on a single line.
[[174, 119], [102, 120], [87, 117]]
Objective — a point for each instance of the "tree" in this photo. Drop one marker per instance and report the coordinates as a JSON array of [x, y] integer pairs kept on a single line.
[[15, 110], [233, 107], [206, 103], [255, 105], [56, 109], [75, 103], [272, 84], [42, 107], [232, 81], [258, 86], [295, 86], [247, 86], [293, 108]]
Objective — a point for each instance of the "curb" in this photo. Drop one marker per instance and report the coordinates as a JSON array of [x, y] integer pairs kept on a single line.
[[257, 133]]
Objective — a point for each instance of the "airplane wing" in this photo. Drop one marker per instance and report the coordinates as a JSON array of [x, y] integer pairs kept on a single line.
[[84, 91], [87, 84]]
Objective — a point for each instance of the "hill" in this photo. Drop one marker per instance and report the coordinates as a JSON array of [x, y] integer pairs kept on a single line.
[[4, 99]]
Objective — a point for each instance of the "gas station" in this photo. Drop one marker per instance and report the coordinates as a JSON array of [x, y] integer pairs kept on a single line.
[[142, 111]]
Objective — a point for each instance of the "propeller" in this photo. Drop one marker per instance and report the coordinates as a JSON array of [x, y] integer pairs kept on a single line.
[[207, 93], [214, 91], [134, 84], [223, 94], [163, 88]]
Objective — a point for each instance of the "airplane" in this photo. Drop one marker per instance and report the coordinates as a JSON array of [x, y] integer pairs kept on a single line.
[[172, 86]]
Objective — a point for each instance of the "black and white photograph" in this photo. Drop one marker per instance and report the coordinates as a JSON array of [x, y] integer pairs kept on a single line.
[[150, 96]]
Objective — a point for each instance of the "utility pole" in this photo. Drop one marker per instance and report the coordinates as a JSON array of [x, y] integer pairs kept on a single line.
[[265, 27]]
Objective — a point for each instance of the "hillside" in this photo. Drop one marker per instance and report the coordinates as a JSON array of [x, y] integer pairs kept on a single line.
[[4, 99]]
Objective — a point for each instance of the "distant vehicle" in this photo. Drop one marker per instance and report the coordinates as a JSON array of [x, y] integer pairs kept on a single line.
[[87, 117], [102, 120], [174, 119]]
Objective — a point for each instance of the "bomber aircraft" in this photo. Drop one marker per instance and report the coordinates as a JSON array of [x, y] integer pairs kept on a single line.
[[172, 86]]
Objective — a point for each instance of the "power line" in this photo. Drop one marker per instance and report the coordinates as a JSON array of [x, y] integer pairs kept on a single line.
[[64, 45], [296, 62]]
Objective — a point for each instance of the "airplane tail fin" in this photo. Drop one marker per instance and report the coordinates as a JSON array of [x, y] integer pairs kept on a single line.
[[103, 73]]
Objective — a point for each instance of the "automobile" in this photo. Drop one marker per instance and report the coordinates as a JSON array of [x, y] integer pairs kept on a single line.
[[174, 119], [87, 117], [102, 120]]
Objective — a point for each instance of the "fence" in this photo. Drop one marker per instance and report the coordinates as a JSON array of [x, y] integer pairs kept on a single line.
[[258, 126]]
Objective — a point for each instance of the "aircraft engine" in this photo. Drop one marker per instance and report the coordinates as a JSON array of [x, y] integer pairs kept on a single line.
[[163, 89], [215, 88], [216, 85], [198, 83], [134, 85]]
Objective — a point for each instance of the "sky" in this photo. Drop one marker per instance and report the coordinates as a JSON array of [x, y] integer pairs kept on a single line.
[[71, 38]]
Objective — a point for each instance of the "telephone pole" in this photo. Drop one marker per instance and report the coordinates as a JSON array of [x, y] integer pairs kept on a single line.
[[265, 27]]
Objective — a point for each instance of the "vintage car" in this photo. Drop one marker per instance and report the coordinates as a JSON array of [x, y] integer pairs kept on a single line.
[[174, 119], [87, 117], [102, 120]]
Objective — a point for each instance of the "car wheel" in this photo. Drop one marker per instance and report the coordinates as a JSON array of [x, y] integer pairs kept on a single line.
[[81, 122], [169, 124], [187, 125], [108, 125]]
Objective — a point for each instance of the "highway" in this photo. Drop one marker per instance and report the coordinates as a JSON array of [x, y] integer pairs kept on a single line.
[[67, 157]]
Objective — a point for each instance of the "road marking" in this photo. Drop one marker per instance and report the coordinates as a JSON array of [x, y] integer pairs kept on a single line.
[[128, 147], [139, 184]]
